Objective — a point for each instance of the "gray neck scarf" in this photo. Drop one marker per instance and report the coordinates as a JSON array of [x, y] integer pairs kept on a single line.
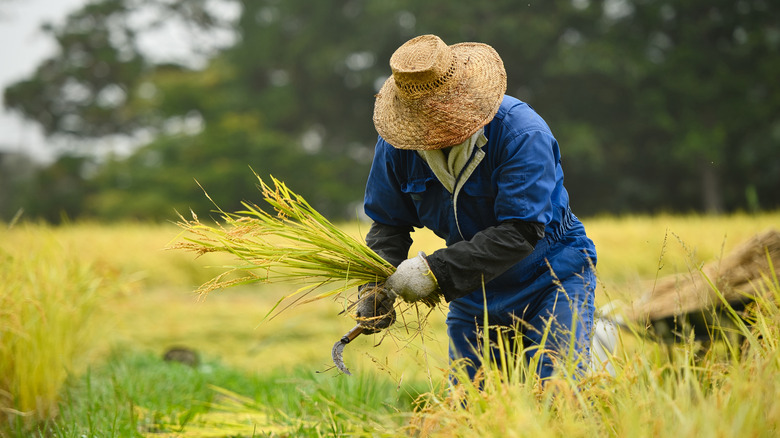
[[448, 168]]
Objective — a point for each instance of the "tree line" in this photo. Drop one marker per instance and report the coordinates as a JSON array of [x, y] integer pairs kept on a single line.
[[658, 106]]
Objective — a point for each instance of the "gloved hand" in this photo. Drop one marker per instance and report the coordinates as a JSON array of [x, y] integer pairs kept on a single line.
[[374, 309], [412, 280]]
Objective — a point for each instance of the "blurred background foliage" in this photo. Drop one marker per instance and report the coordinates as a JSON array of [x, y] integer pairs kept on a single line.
[[658, 106]]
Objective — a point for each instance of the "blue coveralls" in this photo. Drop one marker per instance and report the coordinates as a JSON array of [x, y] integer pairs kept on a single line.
[[519, 177]]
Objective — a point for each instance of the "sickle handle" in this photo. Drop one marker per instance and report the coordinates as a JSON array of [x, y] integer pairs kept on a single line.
[[352, 334]]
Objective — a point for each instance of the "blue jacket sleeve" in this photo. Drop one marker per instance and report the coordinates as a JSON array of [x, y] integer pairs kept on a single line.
[[526, 178], [384, 201]]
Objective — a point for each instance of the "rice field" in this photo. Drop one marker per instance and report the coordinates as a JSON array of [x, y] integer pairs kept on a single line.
[[88, 310]]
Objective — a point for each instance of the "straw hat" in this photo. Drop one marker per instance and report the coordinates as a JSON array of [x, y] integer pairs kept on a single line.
[[438, 95]]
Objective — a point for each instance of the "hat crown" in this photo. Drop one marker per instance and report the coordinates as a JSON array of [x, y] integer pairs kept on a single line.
[[422, 65], [438, 95]]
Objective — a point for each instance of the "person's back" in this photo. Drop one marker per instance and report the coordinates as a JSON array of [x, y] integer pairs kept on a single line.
[[496, 197]]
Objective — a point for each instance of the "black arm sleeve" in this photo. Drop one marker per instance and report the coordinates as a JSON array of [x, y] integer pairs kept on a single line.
[[460, 267], [390, 242]]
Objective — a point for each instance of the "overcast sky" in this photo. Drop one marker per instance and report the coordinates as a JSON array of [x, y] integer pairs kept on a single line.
[[22, 47]]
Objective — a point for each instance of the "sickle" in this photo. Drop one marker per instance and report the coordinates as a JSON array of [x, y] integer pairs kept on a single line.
[[338, 348]]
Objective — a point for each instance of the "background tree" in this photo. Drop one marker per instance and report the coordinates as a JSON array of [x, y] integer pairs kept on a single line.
[[657, 106], [85, 90]]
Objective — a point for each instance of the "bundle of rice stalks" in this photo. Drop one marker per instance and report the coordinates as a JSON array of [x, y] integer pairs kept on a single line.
[[295, 244]]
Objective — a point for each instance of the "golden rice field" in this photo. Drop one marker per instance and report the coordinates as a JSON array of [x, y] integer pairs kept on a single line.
[[72, 295]]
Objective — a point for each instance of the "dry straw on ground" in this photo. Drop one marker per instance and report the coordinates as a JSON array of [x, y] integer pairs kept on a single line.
[[733, 279]]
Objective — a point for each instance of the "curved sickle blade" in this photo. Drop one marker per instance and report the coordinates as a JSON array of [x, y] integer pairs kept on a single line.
[[336, 353], [338, 348]]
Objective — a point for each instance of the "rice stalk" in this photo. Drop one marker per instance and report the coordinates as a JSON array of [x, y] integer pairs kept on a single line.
[[294, 244], [48, 301]]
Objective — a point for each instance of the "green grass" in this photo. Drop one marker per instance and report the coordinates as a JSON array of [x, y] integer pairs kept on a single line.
[[135, 394], [273, 378]]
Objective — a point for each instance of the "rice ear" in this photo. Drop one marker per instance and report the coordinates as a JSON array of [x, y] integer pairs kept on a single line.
[[295, 243]]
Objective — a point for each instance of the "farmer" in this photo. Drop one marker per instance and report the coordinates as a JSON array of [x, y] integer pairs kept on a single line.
[[483, 171]]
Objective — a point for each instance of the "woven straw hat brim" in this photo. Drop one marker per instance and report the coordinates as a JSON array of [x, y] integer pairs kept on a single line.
[[450, 115]]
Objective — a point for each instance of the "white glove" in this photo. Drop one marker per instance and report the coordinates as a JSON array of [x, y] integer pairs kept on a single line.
[[412, 280]]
